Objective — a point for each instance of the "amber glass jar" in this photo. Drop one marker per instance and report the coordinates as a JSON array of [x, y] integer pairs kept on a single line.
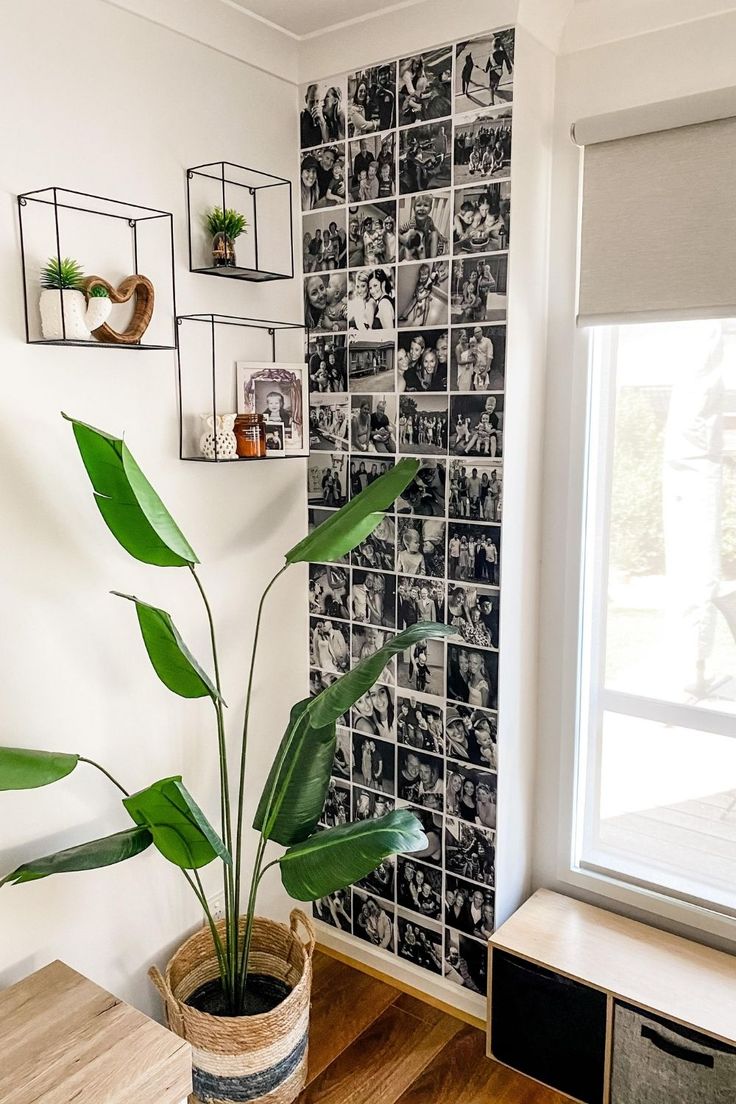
[[250, 433]]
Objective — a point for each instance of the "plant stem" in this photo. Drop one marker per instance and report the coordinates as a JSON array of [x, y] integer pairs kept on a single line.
[[238, 857], [106, 773], [249, 917], [216, 941], [231, 907]]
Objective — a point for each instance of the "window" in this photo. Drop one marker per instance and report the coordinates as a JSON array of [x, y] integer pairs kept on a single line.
[[656, 763]]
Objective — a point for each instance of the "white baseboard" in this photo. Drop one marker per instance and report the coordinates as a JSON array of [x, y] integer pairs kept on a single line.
[[403, 973]]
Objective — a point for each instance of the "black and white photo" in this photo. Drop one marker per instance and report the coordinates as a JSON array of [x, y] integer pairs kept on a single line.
[[368, 805], [478, 358], [373, 920], [419, 888], [476, 425], [482, 218], [421, 668], [419, 600], [419, 944], [421, 779], [322, 116], [420, 723], [335, 909], [425, 86], [373, 598], [470, 794], [373, 763], [483, 146], [326, 364], [373, 423], [424, 157], [336, 808], [475, 489], [478, 289], [372, 168], [381, 882], [432, 823], [329, 591], [474, 611], [275, 443], [469, 908], [322, 178], [371, 361], [424, 226], [329, 423], [374, 714], [364, 472], [470, 851], [472, 676], [422, 297], [377, 551], [472, 735], [342, 757], [329, 645], [326, 302], [372, 234], [484, 70], [372, 299], [327, 479], [421, 362], [425, 422], [425, 496], [465, 962], [421, 547], [372, 99], [324, 240], [378, 709], [280, 392]]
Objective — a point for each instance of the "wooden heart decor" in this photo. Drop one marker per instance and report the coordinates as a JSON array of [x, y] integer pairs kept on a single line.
[[138, 286]]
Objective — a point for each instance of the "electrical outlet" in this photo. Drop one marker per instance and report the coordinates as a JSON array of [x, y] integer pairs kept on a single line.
[[216, 905]]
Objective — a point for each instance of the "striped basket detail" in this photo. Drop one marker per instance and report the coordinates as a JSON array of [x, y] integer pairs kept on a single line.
[[245, 1058]]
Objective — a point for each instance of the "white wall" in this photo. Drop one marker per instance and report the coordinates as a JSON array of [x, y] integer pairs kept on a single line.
[[97, 99], [636, 70]]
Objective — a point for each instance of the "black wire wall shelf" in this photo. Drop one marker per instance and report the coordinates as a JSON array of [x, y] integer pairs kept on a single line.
[[263, 199], [59, 222], [206, 361]]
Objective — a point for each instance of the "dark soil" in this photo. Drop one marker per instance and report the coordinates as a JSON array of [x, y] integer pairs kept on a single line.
[[264, 993]]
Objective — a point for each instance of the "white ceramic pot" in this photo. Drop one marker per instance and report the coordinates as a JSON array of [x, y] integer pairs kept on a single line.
[[81, 316], [219, 430]]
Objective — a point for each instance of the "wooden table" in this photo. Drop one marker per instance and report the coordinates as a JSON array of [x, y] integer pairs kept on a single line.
[[64, 1039]]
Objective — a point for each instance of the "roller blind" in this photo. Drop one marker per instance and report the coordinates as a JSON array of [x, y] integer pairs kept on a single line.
[[658, 234]]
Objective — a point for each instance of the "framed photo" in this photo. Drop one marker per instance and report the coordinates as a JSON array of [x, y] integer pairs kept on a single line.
[[281, 393], [275, 439]]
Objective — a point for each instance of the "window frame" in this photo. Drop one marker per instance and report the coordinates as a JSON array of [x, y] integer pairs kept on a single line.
[[579, 694]]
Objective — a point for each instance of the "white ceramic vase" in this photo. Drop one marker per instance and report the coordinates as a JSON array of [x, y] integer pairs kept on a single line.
[[81, 316], [220, 432]]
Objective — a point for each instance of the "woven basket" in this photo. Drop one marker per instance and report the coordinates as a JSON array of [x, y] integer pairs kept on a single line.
[[245, 1058]]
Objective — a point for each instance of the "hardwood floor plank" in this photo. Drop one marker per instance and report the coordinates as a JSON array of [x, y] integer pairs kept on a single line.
[[415, 1007], [384, 1061], [344, 1003], [461, 1072]]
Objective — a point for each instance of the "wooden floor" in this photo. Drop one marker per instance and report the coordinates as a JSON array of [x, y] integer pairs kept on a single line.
[[369, 1043]]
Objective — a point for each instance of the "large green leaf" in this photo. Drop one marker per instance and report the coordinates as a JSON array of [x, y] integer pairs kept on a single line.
[[86, 856], [25, 769], [352, 523], [338, 856], [180, 830], [295, 789], [171, 659], [133, 512], [332, 702]]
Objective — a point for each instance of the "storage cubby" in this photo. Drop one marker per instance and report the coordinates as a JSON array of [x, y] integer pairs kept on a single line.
[[110, 239], [265, 251]]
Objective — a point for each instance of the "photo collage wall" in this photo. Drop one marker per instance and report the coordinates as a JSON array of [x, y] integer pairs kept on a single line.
[[406, 218]]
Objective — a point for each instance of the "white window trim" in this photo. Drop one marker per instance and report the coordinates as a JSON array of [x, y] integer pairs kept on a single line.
[[678, 913]]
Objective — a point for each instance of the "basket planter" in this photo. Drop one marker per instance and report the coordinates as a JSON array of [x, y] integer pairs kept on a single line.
[[245, 1058]]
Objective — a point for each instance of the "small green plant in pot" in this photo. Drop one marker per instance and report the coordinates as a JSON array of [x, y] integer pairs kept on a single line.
[[66, 314], [243, 964], [224, 227]]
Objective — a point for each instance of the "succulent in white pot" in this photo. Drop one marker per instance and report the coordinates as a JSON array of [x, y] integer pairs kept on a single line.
[[62, 281]]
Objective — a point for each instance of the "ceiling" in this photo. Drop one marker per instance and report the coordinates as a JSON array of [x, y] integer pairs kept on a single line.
[[303, 18]]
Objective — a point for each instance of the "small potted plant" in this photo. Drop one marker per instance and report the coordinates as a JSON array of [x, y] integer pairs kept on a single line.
[[63, 284], [224, 227], [238, 990]]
